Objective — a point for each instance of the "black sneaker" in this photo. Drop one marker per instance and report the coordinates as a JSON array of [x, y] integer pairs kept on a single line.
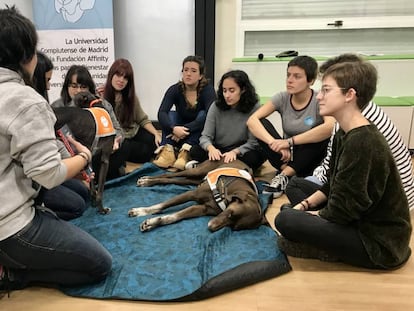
[[302, 250], [277, 186]]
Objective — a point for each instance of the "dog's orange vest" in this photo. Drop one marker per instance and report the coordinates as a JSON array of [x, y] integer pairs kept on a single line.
[[214, 176], [104, 126]]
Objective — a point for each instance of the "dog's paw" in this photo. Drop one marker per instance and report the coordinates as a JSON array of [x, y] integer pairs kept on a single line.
[[133, 212], [105, 210], [143, 181], [149, 224]]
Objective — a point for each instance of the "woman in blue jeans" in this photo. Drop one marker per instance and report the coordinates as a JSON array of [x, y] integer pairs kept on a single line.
[[35, 245], [181, 128], [67, 200]]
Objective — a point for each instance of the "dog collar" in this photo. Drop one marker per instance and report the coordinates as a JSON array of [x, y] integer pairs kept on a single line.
[[214, 176]]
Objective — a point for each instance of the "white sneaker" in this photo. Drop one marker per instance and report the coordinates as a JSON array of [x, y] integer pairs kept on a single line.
[[191, 164], [277, 186]]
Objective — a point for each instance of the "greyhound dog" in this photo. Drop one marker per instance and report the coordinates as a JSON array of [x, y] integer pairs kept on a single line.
[[232, 199], [91, 125]]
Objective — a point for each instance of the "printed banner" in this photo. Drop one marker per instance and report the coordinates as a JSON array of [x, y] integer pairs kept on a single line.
[[75, 32]]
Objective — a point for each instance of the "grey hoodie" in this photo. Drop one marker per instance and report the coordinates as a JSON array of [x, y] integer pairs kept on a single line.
[[28, 151]]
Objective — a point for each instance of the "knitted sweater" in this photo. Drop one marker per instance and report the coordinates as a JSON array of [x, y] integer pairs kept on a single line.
[[227, 128], [399, 150], [364, 190]]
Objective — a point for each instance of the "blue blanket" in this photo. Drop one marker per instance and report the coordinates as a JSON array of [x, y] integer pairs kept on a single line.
[[182, 261]]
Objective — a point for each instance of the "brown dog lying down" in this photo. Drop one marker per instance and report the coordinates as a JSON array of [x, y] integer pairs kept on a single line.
[[238, 207]]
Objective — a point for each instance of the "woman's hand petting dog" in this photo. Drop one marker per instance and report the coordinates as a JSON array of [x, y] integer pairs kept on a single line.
[[117, 143]]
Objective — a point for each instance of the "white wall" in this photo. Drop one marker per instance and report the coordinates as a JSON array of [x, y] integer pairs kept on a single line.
[[395, 76], [155, 36], [24, 6], [225, 37]]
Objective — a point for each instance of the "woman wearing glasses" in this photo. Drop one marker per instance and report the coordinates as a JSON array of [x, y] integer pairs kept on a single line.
[[302, 146], [78, 79], [300, 188], [362, 216]]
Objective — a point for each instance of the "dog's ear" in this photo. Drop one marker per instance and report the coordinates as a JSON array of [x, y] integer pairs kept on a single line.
[[238, 196]]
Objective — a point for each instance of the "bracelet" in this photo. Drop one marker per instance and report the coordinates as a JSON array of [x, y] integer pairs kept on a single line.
[[303, 205], [307, 203], [85, 156], [290, 142]]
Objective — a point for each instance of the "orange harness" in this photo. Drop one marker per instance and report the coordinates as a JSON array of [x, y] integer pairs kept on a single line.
[[104, 126], [213, 178]]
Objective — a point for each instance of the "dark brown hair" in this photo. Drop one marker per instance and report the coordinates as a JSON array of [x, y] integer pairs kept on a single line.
[[202, 68], [360, 76], [125, 111]]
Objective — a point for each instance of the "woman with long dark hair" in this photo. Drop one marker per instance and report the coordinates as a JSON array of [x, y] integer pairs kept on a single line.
[[141, 137], [225, 134]]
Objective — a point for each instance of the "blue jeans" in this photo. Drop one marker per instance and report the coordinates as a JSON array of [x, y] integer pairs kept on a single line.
[[192, 139], [67, 200], [54, 251]]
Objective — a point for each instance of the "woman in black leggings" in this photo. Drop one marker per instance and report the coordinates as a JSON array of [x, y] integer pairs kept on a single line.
[[363, 217]]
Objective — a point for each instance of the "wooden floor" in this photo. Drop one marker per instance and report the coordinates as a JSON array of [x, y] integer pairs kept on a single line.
[[311, 285]]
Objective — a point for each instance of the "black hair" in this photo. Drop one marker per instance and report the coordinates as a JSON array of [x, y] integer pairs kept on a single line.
[[18, 39], [308, 64], [248, 96], [83, 76], [125, 111], [44, 64]]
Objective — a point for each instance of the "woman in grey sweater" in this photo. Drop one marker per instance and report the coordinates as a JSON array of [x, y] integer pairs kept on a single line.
[[225, 134], [35, 245]]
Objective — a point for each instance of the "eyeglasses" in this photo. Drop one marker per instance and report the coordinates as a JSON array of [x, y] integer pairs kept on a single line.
[[78, 86], [324, 90]]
